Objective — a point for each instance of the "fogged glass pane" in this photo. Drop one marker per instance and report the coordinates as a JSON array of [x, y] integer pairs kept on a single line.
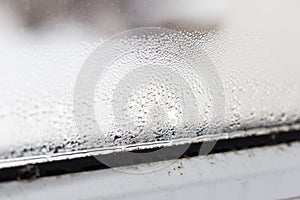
[[78, 75]]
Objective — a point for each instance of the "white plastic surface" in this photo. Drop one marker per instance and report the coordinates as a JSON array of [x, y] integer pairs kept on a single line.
[[259, 173]]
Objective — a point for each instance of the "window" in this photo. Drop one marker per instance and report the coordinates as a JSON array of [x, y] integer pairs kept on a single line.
[[85, 76]]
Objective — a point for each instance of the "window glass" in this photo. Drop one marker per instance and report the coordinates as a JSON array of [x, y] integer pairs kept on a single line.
[[158, 71]]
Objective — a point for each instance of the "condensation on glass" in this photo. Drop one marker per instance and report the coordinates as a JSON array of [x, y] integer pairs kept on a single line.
[[252, 45]]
